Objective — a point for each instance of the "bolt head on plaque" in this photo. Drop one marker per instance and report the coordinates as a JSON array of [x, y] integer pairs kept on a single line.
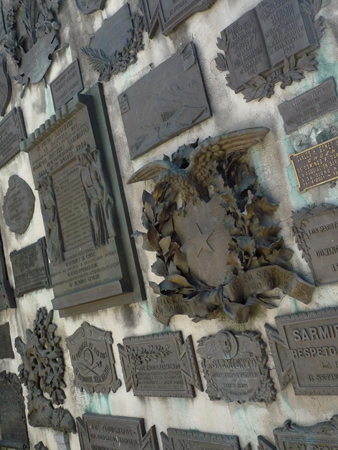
[[18, 207]]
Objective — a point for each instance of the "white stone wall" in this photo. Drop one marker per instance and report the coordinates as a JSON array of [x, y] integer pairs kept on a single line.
[[230, 112]]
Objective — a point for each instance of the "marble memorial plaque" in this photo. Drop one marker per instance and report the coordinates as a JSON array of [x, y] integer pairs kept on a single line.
[[160, 365], [67, 84], [126, 433], [18, 206], [90, 6], [305, 351], [267, 45], [309, 106], [167, 101], [92, 359], [6, 350], [316, 165], [115, 45], [90, 251], [7, 299], [234, 366], [12, 132], [13, 417], [176, 439], [5, 82], [169, 14], [30, 268], [316, 231]]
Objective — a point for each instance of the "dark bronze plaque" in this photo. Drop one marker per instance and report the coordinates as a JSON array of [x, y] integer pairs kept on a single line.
[[305, 351], [316, 231], [2, 24], [234, 365], [321, 436], [167, 101], [309, 106], [116, 44], [103, 432], [12, 132], [316, 165], [92, 359], [7, 299], [18, 207], [12, 416], [66, 85], [270, 44], [185, 439], [30, 268], [90, 6], [6, 350], [91, 256], [160, 365], [169, 14], [5, 82]]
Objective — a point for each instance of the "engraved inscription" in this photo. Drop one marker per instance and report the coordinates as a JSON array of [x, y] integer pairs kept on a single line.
[[157, 365], [66, 85], [177, 439], [309, 106], [305, 351], [12, 132]]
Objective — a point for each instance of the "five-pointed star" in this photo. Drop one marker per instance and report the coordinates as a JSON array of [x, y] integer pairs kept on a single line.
[[200, 241]]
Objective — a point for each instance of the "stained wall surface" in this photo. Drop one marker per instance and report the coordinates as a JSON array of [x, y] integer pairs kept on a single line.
[[279, 184]]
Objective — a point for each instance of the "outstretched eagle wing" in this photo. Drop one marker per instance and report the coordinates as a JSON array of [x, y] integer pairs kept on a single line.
[[151, 171], [217, 149]]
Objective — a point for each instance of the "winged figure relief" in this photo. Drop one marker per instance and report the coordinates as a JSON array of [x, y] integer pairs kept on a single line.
[[216, 245]]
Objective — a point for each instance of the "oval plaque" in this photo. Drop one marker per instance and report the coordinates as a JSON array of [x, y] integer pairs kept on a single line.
[[18, 205]]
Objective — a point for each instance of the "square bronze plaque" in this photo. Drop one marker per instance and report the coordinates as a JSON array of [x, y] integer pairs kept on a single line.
[[316, 231], [98, 431], [167, 101], [6, 349], [12, 132], [30, 268], [66, 85], [160, 365], [92, 257], [305, 351], [185, 439]]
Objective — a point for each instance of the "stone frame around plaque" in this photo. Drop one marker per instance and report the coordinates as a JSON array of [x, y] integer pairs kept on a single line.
[[141, 355], [198, 440], [91, 350], [106, 247]]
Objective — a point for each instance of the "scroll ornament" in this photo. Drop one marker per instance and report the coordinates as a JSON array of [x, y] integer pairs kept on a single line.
[[211, 230]]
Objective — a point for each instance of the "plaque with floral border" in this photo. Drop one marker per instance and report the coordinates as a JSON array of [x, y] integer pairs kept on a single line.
[[92, 358]]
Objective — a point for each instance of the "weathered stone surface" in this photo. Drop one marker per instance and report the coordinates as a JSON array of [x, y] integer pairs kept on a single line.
[[312, 104], [13, 417], [160, 365], [234, 366], [168, 100], [66, 85], [127, 433], [30, 268], [18, 206], [92, 359], [170, 15], [12, 132], [305, 351], [176, 439], [6, 350]]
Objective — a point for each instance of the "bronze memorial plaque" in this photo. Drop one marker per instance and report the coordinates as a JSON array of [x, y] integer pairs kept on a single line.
[[316, 165], [66, 85], [7, 299], [160, 365], [90, 6], [92, 359], [115, 45], [167, 101], [30, 268], [234, 366], [13, 416], [316, 231], [18, 206], [97, 431], [309, 106], [169, 14], [92, 257], [12, 132], [176, 439], [270, 44], [6, 350], [305, 351], [5, 82]]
